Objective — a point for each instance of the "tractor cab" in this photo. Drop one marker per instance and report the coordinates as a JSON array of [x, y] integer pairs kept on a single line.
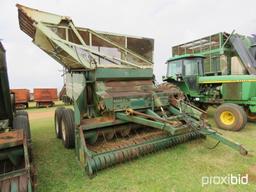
[[185, 68]]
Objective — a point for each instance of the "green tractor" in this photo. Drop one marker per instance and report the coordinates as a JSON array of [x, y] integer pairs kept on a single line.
[[218, 70]]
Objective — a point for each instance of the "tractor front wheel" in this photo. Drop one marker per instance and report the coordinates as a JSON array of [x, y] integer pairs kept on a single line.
[[230, 117]]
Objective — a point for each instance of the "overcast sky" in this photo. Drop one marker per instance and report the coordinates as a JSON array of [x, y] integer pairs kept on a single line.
[[169, 22]]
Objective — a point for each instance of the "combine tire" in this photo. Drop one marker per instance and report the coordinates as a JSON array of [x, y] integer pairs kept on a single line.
[[57, 121], [13, 102], [68, 128], [21, 122], [230, 117]]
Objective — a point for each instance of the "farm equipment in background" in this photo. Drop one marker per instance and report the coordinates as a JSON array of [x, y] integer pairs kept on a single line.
[[22, 97], [45, 97], [119, 114], [218, 70], [15, 139]]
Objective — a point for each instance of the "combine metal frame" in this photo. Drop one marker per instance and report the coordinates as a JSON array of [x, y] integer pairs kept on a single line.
[[15, 167], [119, 114], [14, 148]]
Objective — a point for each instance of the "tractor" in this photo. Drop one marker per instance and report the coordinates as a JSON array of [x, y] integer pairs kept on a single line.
[[219, 71]]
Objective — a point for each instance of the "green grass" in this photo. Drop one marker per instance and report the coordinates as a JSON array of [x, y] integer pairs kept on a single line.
[[176, 169]]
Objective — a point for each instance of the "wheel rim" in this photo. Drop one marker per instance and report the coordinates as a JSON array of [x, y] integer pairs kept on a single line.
[[63, 128], [227, 118]]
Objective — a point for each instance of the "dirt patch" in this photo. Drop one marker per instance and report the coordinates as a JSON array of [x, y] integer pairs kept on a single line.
[[251, 174], [40, 115]]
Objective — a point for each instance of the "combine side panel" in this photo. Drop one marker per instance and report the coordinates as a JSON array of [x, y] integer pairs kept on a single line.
[[5, 100]]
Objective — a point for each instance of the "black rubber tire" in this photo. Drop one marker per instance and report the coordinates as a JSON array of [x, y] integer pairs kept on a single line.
[[251, 116], [57, 121], [240, 117], [22, 113], [13, 102], [68, 128], [202, 106], [22, 122]]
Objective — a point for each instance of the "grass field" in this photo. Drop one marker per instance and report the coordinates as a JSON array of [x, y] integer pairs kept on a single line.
[[175, 169]]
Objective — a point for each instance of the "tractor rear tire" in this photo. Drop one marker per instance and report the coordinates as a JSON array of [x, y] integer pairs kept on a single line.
[[175, 91], [229, 116], [57, 121], [22, 122], [68, 128]]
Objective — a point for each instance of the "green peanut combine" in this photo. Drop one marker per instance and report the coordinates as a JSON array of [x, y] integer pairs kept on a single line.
[[119, 113]]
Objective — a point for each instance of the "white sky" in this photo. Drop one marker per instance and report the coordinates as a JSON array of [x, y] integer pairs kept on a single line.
[[169, 22]]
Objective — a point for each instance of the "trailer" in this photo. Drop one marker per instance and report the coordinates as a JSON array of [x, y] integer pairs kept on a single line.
[[45, 97], [16, 173], [119, 113], [22, 97]]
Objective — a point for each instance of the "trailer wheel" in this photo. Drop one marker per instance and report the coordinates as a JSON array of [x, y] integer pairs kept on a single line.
[[57, 121], [68, 128], [230, 117], [21, 122]]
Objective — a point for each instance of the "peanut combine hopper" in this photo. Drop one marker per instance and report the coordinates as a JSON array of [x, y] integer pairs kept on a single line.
[[119, 114]]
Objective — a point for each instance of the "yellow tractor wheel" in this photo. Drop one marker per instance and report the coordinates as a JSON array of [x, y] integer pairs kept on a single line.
[[230, 117], [227, 117]]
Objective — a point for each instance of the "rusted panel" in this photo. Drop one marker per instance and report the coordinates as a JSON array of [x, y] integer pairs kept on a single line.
[[21, 95], [129, 94], [134, 87], [127, 83], [11, 139], [45, 94], [97, 120], [26, 24], [17, 183]]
